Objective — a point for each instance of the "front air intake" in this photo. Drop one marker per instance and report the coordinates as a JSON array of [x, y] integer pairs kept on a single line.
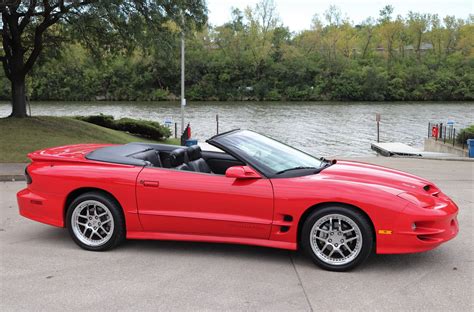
[[431, 189]]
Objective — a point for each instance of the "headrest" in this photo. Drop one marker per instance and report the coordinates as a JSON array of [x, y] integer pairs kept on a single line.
[[151, 156], [177, 157], [194, 152]]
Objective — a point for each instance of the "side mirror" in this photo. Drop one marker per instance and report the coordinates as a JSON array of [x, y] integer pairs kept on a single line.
[[242, 172]]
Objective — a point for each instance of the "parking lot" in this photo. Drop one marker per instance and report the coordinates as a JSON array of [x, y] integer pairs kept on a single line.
[[42, 269]]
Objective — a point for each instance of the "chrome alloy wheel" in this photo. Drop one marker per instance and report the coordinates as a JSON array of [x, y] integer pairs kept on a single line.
[[92, 223], [336, 239]]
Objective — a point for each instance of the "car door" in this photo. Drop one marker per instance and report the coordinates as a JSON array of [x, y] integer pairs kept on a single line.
[[184, 202]]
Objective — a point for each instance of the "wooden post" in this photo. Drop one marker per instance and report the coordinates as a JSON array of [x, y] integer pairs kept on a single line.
[[175, 130], [217, 123], [377, 118]]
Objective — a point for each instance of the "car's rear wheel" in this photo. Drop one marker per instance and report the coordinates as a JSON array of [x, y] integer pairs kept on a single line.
[[337, 238], [95, 221]]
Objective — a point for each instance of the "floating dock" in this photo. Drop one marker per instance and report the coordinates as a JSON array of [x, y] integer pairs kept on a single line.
[[403, 150], [395, 149]]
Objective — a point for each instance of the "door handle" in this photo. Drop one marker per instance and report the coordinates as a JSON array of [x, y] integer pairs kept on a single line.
[[150, 183]]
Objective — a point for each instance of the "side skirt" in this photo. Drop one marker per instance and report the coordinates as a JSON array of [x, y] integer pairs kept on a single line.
[[212, 239]]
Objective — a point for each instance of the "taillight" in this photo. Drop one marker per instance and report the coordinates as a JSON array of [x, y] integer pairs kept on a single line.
[[27, 176]]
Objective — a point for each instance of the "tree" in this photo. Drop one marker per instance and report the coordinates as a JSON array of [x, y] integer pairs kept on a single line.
[[417, 26], [25, 25], [366, 34]]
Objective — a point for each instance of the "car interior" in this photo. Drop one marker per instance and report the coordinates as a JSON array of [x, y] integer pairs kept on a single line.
[[190, 158]]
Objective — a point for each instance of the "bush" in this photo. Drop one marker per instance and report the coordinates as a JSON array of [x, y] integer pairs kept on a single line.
[[106, 121], [143, 128], [465, 134]]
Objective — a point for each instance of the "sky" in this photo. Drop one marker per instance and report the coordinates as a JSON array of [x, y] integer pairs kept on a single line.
[[297, 14]]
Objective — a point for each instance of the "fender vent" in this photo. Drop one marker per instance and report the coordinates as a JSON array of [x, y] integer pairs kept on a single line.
[[284, 229], [287, 218]]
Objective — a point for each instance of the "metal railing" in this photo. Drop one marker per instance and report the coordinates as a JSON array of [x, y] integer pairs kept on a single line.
[[445, 134]]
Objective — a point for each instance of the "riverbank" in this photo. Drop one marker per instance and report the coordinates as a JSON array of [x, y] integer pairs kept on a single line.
[[22, 136]]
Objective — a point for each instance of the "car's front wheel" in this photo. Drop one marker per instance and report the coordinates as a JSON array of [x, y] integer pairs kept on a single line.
[[95, 221], [337, 238]]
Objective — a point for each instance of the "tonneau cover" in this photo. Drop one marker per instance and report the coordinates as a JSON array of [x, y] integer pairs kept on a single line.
[[119, 154]]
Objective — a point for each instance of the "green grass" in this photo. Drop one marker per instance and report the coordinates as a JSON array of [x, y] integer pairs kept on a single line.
[[19, 136]]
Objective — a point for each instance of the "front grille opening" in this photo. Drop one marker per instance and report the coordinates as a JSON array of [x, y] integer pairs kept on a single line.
[[420, 225]]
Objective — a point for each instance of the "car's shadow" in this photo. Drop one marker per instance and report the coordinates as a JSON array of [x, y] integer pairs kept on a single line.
[[59, 238], [198, 249]]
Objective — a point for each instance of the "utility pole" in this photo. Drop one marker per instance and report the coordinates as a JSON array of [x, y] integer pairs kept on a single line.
[[183, 99]]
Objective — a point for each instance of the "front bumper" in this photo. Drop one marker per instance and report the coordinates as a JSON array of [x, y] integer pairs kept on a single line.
[[420, 229], [42, 208]]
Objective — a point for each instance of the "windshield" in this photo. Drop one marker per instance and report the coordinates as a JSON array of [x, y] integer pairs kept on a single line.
[[270, 155]]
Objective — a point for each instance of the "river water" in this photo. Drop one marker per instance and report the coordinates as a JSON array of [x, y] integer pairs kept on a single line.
[[328, 129]]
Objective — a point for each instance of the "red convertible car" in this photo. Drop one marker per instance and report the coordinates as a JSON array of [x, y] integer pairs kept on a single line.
[[256, 191]]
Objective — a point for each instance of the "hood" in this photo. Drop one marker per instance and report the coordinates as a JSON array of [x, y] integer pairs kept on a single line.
[[378, 176]]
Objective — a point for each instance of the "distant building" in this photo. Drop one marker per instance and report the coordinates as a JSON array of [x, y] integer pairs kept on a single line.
[[424, 47]]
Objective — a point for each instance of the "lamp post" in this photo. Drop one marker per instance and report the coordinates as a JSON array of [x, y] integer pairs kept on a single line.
[[183, 99]]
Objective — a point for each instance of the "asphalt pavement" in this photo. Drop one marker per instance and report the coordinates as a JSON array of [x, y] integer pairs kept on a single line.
[[41, 269]]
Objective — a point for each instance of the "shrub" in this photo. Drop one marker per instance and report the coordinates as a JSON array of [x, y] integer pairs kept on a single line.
[[100, 120], [143, 128], [465, 134]]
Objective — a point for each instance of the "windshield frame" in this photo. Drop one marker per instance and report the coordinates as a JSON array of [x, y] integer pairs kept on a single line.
[[266, 171]]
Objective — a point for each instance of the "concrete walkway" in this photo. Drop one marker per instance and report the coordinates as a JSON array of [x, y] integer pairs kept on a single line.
[[41, 269]]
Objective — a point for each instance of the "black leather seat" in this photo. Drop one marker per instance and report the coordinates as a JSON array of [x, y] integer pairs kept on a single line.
[[152, 157], [177, 159], [195, 160]]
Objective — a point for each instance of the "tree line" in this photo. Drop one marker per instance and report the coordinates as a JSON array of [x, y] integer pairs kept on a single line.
[[255, 57]]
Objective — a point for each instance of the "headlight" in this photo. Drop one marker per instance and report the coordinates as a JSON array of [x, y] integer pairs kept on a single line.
[[420, 200]]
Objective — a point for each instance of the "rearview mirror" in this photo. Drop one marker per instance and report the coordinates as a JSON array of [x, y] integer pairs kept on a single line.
[[242, 172]]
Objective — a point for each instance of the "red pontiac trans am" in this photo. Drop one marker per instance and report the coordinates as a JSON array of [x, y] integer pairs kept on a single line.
[[257, 191]]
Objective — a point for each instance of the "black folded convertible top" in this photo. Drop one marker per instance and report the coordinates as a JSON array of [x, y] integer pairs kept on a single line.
[[121, 154]]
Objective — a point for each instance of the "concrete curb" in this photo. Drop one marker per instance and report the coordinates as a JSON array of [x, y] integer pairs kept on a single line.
[[436, 158], [12, 171], [11, 177]]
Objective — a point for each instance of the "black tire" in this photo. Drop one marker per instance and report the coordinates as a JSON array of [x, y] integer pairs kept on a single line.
[[118, 233], [358, 218]]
